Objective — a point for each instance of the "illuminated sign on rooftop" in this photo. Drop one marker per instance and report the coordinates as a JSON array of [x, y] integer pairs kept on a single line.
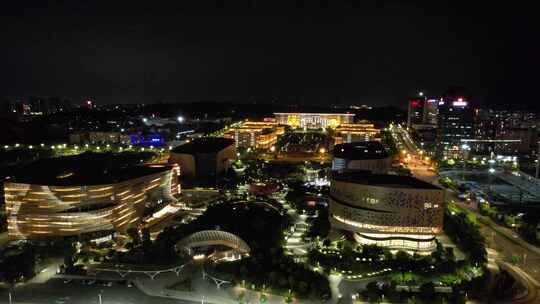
[[459, 103]]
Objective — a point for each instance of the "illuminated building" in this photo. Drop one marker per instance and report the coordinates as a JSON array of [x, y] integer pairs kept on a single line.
[[92, 137], [422, 111], [368, 155], [313, 120], [254, 134], [430, 111], [416, 111], [397, 212], [77, 196], [362, 131], [504, 132], [204, 157], [455, 124]]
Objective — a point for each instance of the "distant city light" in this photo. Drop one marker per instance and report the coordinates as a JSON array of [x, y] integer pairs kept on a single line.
[[421, 94], [180, 119], [459, 103], [145, 119]]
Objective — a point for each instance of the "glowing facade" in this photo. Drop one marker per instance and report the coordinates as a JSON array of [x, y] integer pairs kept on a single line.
[[313, 120], [64, 209], [255, 134], [393, 211], [357, 132]]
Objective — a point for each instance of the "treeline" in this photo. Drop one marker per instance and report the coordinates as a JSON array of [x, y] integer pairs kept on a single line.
[[465, 232]]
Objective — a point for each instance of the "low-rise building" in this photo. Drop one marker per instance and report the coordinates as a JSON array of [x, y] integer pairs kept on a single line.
[[96, 137], [255, 134], [356, 132], [314, 120], [369, 155], [204, 157]]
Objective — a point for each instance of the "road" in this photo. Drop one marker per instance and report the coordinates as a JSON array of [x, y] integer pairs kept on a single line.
[[500, 242], [56, 291]]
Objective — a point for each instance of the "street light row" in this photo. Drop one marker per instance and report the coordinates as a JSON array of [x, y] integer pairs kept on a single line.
[[77, 147]]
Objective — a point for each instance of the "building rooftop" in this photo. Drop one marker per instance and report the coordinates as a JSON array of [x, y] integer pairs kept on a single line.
[[204, 145], [360, 150], [85, 169], [383, 180]]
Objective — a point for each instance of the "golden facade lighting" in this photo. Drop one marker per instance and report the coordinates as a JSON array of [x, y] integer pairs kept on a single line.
[[42, 208]]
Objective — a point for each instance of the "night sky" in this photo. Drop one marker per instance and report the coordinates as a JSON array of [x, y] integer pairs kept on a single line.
[[376, 53]]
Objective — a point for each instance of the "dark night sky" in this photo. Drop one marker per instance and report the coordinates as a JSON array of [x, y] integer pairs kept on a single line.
[[376, 53]]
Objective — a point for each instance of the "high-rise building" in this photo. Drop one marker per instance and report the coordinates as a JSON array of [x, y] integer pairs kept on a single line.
[[422, 111], [415, 114], [504, 132], [430, 111], [454, 124]]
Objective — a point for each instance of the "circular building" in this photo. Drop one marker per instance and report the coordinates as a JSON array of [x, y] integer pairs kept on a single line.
[[397, 212], [87, 194], [368, 155]]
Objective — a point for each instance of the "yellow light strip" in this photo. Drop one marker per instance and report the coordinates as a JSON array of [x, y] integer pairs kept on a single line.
[[123, 192], [74, 195], [100, 189], [65, 189]]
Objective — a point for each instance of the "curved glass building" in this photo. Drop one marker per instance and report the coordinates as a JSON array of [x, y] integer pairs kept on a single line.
[[82, 195]]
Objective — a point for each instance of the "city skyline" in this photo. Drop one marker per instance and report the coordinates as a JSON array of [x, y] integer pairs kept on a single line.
[[224, 152]]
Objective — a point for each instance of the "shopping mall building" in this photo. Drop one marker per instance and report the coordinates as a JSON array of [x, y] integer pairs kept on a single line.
[[84, 195], [397, 212]]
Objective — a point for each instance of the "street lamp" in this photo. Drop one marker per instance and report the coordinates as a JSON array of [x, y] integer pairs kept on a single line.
[[180, 119], [491, 172]]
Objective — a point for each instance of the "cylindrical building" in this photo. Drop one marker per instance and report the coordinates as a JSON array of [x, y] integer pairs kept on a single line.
[[397, 212]]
